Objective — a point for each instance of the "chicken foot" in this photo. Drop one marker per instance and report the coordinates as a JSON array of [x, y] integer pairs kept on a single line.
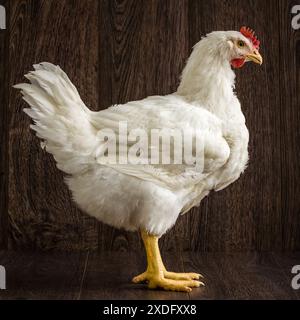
[[156, 274]]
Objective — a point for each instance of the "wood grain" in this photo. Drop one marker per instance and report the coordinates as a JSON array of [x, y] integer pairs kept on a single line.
[[290, 131], [254, 199], [241, 276], [143, 46], [207, 222], [117, 51], [43, 276], [42, 214], [247, 214], [286, 261], [107, 276], [4, 39]]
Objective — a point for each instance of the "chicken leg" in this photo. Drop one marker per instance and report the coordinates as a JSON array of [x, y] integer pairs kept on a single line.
[[156, 274]]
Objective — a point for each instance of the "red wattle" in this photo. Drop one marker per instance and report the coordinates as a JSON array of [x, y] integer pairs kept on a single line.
[[237, 63]]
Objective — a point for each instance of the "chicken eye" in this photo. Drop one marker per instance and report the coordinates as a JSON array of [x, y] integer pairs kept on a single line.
[[241, 44]]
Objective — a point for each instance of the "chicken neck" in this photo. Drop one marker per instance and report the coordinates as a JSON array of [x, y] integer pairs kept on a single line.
[[208, 79]]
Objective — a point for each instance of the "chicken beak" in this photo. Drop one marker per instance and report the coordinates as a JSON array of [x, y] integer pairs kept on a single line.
[[255, 57]]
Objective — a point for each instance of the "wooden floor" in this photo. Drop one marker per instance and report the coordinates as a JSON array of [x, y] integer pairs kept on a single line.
[[107, 276]]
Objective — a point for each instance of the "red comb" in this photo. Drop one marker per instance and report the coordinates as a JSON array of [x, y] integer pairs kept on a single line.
[[249, 33]]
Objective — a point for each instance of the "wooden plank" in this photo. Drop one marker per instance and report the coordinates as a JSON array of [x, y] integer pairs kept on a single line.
[[289, 50], [42, 213], [206, 223], [4, 38], [42, 276], [255, 221], [143, 46], [247, 214], [239, 276], [108, 277]]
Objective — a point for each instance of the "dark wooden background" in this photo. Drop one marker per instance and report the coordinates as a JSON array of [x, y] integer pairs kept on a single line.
[[120, 50]]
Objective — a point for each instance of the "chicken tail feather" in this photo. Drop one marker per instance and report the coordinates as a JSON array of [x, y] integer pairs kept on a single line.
[[61, 119]]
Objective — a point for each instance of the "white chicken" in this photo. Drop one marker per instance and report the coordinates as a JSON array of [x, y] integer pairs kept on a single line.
[[149, 197]]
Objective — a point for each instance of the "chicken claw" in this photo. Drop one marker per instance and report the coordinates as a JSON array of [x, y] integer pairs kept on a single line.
[[182, 276], [184, 281]]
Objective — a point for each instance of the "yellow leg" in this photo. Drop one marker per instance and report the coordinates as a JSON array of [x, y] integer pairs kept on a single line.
[[156, 274]]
